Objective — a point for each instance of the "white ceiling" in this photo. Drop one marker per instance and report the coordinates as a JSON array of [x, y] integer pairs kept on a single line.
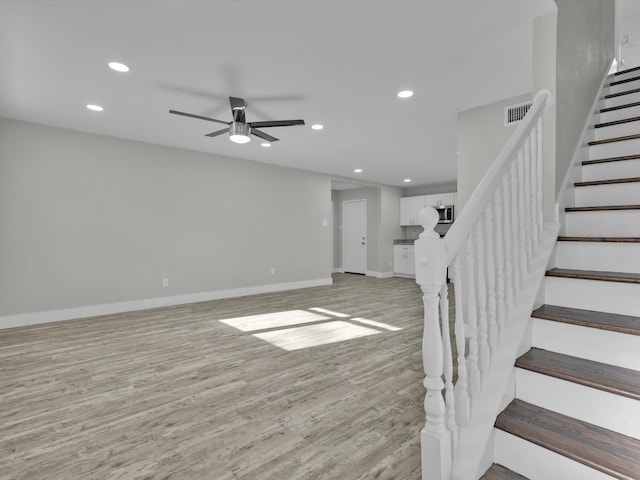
[[339, 63]]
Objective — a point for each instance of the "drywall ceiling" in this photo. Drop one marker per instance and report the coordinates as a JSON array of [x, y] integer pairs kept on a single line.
[[338, 63]]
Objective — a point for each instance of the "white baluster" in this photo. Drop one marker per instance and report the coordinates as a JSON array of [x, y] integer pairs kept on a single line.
[[481, 299], [490, 278], [461, 387], [533, 185], [515, 225], [540, 185], [435, 439], [522, 234], [450, 415], [526, 182], [509, 274], [470, 295], [501, 301]]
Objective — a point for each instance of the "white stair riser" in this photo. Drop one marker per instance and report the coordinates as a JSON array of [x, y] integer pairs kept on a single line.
[[622, 100], [604, 256], [607, 410], [614, 149], [538, 463], [609, 170], [618, 130], [619, 114], [609, 194], [605, 346], [613, 297], [610, 223], [623, 87]]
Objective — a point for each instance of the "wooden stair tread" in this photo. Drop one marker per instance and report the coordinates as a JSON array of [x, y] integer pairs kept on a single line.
[[611, 181], [600, 239], [602, 376], [622, 277], [627, 70], [590, 318], [609, 452], [498, 472], [617, 122], [619, 107], [615, 139], [626, 80], [619, 94], [602, 208], [611, 159]]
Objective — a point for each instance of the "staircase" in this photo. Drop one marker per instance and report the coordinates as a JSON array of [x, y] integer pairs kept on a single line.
[[576, 412]]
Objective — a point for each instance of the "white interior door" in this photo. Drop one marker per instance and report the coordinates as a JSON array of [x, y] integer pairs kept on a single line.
[[354, 236]]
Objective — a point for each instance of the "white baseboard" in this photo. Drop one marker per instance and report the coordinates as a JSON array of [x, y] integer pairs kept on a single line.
[[338, 270], [24, 319]]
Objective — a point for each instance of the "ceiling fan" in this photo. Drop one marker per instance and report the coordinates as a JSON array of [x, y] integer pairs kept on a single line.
[[239, 130]]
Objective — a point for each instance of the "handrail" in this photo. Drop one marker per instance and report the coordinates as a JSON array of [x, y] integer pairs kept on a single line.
[[489, 182], [491, 252]]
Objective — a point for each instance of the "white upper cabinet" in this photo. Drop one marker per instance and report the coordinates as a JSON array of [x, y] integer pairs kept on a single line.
[[410, 208], [440, 199]]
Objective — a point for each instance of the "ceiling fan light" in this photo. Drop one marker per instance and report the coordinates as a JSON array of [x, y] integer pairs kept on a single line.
[[240, 138], [239, 132]]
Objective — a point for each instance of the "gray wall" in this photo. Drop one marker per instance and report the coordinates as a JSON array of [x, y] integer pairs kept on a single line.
[[586, 46], [389, 226], [431, 189], [544, 77], [88, 220], [481, 136]]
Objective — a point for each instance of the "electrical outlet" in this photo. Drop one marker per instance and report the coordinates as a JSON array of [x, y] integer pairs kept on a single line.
[[165, 282], [273, 270]]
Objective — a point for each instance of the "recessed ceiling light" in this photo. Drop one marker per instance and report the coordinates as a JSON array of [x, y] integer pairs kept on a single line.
[[95, 108], [405, 94], [406, 180], [357, 170], [317, 126], [118, 67], [265, 144]]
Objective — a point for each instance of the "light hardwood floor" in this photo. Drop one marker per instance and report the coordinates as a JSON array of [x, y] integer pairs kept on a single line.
[[175, 393]]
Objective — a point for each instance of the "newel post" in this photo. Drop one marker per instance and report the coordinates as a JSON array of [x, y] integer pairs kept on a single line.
[[435, 439]]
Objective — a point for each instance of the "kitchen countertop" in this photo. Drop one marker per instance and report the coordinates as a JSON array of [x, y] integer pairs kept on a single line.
[[408, 241], [404, 241]]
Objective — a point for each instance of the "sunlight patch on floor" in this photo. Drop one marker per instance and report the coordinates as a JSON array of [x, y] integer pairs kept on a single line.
[[313, 335], [288, 329], [330, 312], [373, 323], [273, 320]]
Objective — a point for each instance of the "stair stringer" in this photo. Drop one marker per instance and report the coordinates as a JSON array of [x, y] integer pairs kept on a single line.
[[474, 454]]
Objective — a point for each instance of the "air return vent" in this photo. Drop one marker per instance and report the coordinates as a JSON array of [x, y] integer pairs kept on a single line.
[[515, 113]]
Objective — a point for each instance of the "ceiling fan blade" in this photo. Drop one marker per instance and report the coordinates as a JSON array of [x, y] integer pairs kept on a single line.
[[264, 136], [237, 102], [219, 132], [175, 112], [277, 123]]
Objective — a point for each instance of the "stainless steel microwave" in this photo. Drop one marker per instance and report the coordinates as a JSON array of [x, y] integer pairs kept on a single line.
[[446, 213]]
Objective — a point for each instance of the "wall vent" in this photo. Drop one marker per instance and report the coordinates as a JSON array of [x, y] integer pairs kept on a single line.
[[515, 113]]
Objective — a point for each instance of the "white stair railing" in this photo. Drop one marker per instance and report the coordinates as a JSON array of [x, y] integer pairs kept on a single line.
[[488, 251]]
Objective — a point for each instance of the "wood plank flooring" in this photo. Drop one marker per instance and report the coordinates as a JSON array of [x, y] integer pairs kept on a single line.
[[174, 393]]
